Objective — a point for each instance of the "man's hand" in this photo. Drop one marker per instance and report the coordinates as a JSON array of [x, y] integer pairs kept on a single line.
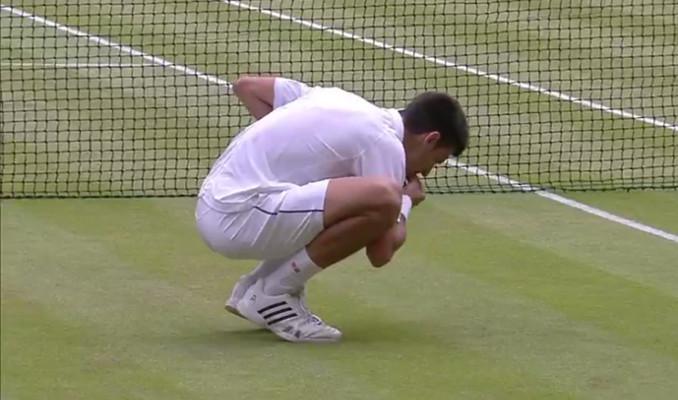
[[415, 189]]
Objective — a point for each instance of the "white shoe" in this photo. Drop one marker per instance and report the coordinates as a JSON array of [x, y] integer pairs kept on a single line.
[[241, 287], [238, 292], [285, 316]]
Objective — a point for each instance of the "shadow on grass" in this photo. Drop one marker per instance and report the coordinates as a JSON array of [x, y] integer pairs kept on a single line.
[[359, 327], [238, 337], [356, 330]]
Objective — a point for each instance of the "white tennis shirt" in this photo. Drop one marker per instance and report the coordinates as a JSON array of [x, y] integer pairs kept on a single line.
[[312, 134]]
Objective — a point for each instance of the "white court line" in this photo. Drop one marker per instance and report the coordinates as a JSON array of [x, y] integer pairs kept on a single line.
[[564, 200], [125, 49], [472, 169], [446, 63]]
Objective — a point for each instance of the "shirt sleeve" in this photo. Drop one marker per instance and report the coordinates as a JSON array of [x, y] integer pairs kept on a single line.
[[287, 90]]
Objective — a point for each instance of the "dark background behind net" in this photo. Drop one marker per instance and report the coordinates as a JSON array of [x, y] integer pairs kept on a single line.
[[81, 116]]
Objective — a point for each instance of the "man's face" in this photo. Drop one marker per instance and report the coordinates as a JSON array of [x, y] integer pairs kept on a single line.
[[424, 152]]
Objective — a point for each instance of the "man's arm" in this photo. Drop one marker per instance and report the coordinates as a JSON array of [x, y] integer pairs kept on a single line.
[[382, 250], [256, 93], [263, 94]]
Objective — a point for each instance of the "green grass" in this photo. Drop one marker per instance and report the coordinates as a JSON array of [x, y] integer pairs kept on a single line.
[[492, 297], [656, 208]]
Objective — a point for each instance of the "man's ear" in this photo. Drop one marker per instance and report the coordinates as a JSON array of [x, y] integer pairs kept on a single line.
[[432, 138]]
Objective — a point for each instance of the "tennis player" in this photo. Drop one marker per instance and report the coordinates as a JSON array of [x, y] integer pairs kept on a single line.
[[320, 174]]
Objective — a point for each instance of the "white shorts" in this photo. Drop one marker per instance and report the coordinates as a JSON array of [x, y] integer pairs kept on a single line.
[[276, 227]]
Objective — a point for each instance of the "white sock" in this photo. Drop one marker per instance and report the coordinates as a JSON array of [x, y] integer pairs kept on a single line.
[[291, 275], [264, 268]]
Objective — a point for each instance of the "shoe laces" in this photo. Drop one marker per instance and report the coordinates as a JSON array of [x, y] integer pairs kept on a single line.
[[301, 294], [314, 320]]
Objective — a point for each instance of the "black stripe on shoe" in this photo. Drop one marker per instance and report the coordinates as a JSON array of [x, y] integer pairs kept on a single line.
[[276, 312], [283, 318], [263, 310]]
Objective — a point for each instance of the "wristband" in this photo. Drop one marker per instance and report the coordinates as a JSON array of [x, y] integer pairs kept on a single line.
[[405, 207]]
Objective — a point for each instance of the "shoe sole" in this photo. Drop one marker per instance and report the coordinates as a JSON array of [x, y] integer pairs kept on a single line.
[[293, 339], [234, 311]]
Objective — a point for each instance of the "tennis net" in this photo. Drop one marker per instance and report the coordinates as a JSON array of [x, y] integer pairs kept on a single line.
[[132, 98]]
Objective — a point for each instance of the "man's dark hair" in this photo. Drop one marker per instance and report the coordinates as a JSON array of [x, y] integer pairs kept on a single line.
[[433, 111]]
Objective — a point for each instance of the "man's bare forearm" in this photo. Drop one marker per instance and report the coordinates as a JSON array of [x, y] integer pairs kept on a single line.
[[381, 251], [256, 93]]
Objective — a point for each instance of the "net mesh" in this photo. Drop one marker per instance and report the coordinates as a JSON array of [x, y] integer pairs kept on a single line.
[[132, 98]]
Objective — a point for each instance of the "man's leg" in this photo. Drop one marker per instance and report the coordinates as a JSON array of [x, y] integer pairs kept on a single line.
[[356, 212]]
